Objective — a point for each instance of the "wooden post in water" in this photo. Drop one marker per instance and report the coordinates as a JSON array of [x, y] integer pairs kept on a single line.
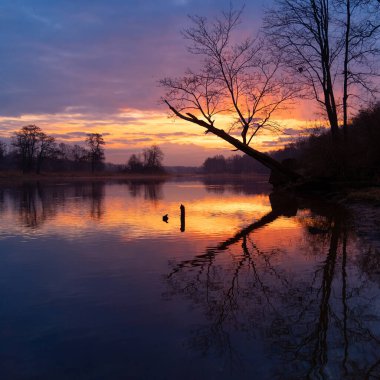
[[182, 208]]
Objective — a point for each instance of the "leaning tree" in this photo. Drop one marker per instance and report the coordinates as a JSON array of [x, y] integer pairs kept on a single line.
[[237, 79]]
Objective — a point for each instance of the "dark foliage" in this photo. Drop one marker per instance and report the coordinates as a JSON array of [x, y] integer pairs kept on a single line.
[[95, 142], [32, 147], [150, 161], [32, 150], [235, 165], [358, 158]]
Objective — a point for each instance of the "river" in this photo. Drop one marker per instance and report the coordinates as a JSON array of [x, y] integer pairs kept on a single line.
[[94, 284]]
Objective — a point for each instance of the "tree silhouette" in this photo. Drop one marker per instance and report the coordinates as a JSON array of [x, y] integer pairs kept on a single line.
[[46, 148], [33, 146], [330, 46], [95, 144], [238, 79], [313, 322], [153, 158]]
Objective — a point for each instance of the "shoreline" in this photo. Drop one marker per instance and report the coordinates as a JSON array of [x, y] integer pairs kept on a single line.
[[360, 199], [14, 177], [17, 177], [346, 193]]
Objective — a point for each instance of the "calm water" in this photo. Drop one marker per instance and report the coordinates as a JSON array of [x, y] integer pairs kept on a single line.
[[95, 285]]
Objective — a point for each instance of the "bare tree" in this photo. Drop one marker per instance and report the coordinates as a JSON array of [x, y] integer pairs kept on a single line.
[[95, 144], [32, 145], [149, 161], [153, 158], [78, 153], [47, 148], [25, 142], [361, 23], [135, 164], [3, 149], [329, 46], [237, 79]]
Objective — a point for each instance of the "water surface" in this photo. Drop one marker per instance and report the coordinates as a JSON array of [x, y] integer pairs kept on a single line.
[[95, 285]]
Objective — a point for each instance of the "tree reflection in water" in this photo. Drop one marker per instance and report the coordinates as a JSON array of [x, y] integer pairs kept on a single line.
[[251, 185], [315, 323], [97, 200], [35, 205], [151, 189], [36, 202]]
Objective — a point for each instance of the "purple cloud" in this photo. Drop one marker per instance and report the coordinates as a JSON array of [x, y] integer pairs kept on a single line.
[[96, 55]]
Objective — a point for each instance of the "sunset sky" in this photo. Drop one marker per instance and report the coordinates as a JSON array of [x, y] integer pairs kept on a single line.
[[75, 67]]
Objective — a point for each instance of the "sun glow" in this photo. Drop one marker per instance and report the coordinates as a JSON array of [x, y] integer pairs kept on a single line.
[[133, 129]]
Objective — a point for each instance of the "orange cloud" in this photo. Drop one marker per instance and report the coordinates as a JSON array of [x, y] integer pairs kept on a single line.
[[133, 129]]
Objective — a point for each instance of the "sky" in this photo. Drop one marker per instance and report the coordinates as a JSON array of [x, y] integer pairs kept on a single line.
[[86, 66]]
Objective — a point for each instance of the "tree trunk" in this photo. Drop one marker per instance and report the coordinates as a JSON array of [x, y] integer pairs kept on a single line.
[[38, 166], [345, 71], [264, 159]]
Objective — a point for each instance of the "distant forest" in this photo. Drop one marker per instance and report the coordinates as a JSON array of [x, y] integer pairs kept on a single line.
[[33, 151], [237, 164]]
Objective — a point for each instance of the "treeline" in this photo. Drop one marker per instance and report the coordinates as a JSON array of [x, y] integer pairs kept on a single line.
[[356, 158], [149, 161], [236, 164], [32, 150]]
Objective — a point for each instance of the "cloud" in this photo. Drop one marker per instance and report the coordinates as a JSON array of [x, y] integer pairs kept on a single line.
[[69, 135], [132, 130], [291, 131], [181, 2], [99, 56], [84, 66]]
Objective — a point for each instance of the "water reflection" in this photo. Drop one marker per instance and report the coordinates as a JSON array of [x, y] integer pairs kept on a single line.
[[37, 203], [237, 185], [318, 320], [34, 204], [2, 200], [97, 200], [258, 286], [150, 189]]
